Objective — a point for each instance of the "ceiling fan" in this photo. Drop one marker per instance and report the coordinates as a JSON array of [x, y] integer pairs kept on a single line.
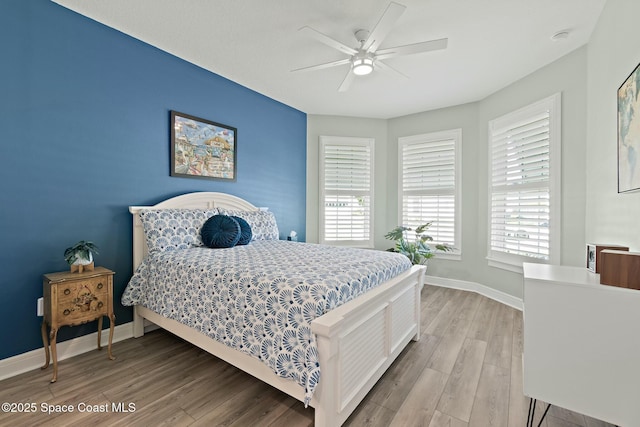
[[367, 57]]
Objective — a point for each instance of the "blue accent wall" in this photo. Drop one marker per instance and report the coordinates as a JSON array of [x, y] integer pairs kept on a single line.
[[84, 119]]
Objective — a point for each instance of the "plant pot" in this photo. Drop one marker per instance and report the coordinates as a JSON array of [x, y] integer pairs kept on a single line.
[[82, 264], [83, 261]]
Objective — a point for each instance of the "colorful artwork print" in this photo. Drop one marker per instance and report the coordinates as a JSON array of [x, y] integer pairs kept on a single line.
[[629, 133], [201, 148]]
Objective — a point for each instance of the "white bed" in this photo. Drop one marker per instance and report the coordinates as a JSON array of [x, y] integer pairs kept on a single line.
[[357, 341]]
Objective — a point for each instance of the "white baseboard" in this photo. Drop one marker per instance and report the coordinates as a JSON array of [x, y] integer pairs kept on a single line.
[[488, 292], [31, 360]]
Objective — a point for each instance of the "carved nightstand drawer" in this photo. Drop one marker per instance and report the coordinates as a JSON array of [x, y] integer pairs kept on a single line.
[[76, 298], [83, 300]]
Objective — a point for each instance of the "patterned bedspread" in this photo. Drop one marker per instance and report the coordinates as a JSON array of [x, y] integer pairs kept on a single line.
[[261, 298]]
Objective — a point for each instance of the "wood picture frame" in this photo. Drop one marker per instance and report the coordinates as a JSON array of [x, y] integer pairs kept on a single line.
[[202, 148], [629, 133]]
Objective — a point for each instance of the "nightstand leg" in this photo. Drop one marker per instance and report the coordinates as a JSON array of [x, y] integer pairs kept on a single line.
[[99, 331], [54, 354], [45, 343], [112, 322]]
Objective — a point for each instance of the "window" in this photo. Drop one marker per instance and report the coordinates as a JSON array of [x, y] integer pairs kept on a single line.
[[430, 185], [525, 186], [346, 191]]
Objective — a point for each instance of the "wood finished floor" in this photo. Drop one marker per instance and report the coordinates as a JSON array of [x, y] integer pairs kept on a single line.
[[466, 370]]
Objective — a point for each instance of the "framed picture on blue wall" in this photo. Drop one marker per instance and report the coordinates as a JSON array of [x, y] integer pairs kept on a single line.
[[629, 133], [201, 148]]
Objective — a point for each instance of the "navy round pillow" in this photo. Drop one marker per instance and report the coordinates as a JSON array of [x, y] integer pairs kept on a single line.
[[220, 231], [245, 231]]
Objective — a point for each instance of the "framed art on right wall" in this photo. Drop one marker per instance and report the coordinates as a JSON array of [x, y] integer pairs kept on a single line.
[[629, 133]]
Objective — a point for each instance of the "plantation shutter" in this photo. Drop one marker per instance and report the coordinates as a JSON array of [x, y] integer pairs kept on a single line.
[[521, 183], [347, 181], [429, 186]]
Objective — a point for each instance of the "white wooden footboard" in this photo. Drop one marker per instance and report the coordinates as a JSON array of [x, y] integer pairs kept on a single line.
[[359, 340]]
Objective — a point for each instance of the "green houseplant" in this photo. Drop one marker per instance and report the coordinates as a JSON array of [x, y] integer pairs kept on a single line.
[[417, 250], [81, 253]]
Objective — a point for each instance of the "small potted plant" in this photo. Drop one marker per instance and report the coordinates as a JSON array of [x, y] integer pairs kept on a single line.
[[80, 255], [417, 250]]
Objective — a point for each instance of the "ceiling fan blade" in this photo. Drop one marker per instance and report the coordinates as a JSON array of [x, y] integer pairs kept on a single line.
[[389, 69], [384, 26], [323, 66], [346, 82], [412, 49], [328, 40]]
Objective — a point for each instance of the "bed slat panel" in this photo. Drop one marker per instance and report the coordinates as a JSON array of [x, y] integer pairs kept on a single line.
[[362, 351], [403, 317]]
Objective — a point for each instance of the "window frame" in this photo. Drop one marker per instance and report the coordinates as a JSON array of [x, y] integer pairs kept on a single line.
[[434, 137], [552, 104], [346, 141]]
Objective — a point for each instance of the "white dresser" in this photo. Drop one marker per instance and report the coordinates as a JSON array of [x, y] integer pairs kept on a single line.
[[582, 343]]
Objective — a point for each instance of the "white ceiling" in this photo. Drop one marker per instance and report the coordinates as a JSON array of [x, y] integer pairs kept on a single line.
[[256, 43]]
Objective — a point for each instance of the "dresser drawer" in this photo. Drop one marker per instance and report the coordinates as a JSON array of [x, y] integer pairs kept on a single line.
[[82, 300]]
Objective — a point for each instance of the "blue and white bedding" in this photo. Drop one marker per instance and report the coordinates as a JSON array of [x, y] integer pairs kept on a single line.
[[261, 298]]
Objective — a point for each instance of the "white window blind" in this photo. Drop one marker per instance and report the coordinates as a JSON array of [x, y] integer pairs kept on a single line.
[[429, 187], [346, 190], [524, 183]]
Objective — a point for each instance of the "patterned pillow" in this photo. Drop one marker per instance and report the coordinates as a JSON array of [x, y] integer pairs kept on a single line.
[[263, 223], [171, 229]]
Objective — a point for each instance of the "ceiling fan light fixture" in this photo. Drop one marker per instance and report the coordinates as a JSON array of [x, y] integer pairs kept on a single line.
[[366, 58], [362, 66]]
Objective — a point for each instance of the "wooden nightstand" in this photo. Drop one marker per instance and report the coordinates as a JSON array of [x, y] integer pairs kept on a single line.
[[72, 299]]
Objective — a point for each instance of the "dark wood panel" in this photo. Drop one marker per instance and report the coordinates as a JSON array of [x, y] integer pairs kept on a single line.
[[620, 268]]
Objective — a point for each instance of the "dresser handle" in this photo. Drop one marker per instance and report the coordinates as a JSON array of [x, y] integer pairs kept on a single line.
[[67, 291], [99, 285], [100, 304], [66, 312]]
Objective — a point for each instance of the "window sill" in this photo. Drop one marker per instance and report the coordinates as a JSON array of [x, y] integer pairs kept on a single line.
[[450, 256], [513, 265], [504, 265], [348, 244]]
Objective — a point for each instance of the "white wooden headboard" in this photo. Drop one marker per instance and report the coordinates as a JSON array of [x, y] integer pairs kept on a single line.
[[199, 200]]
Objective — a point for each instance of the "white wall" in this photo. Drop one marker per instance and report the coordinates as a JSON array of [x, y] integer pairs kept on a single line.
[[613, 53], [566, 75]]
